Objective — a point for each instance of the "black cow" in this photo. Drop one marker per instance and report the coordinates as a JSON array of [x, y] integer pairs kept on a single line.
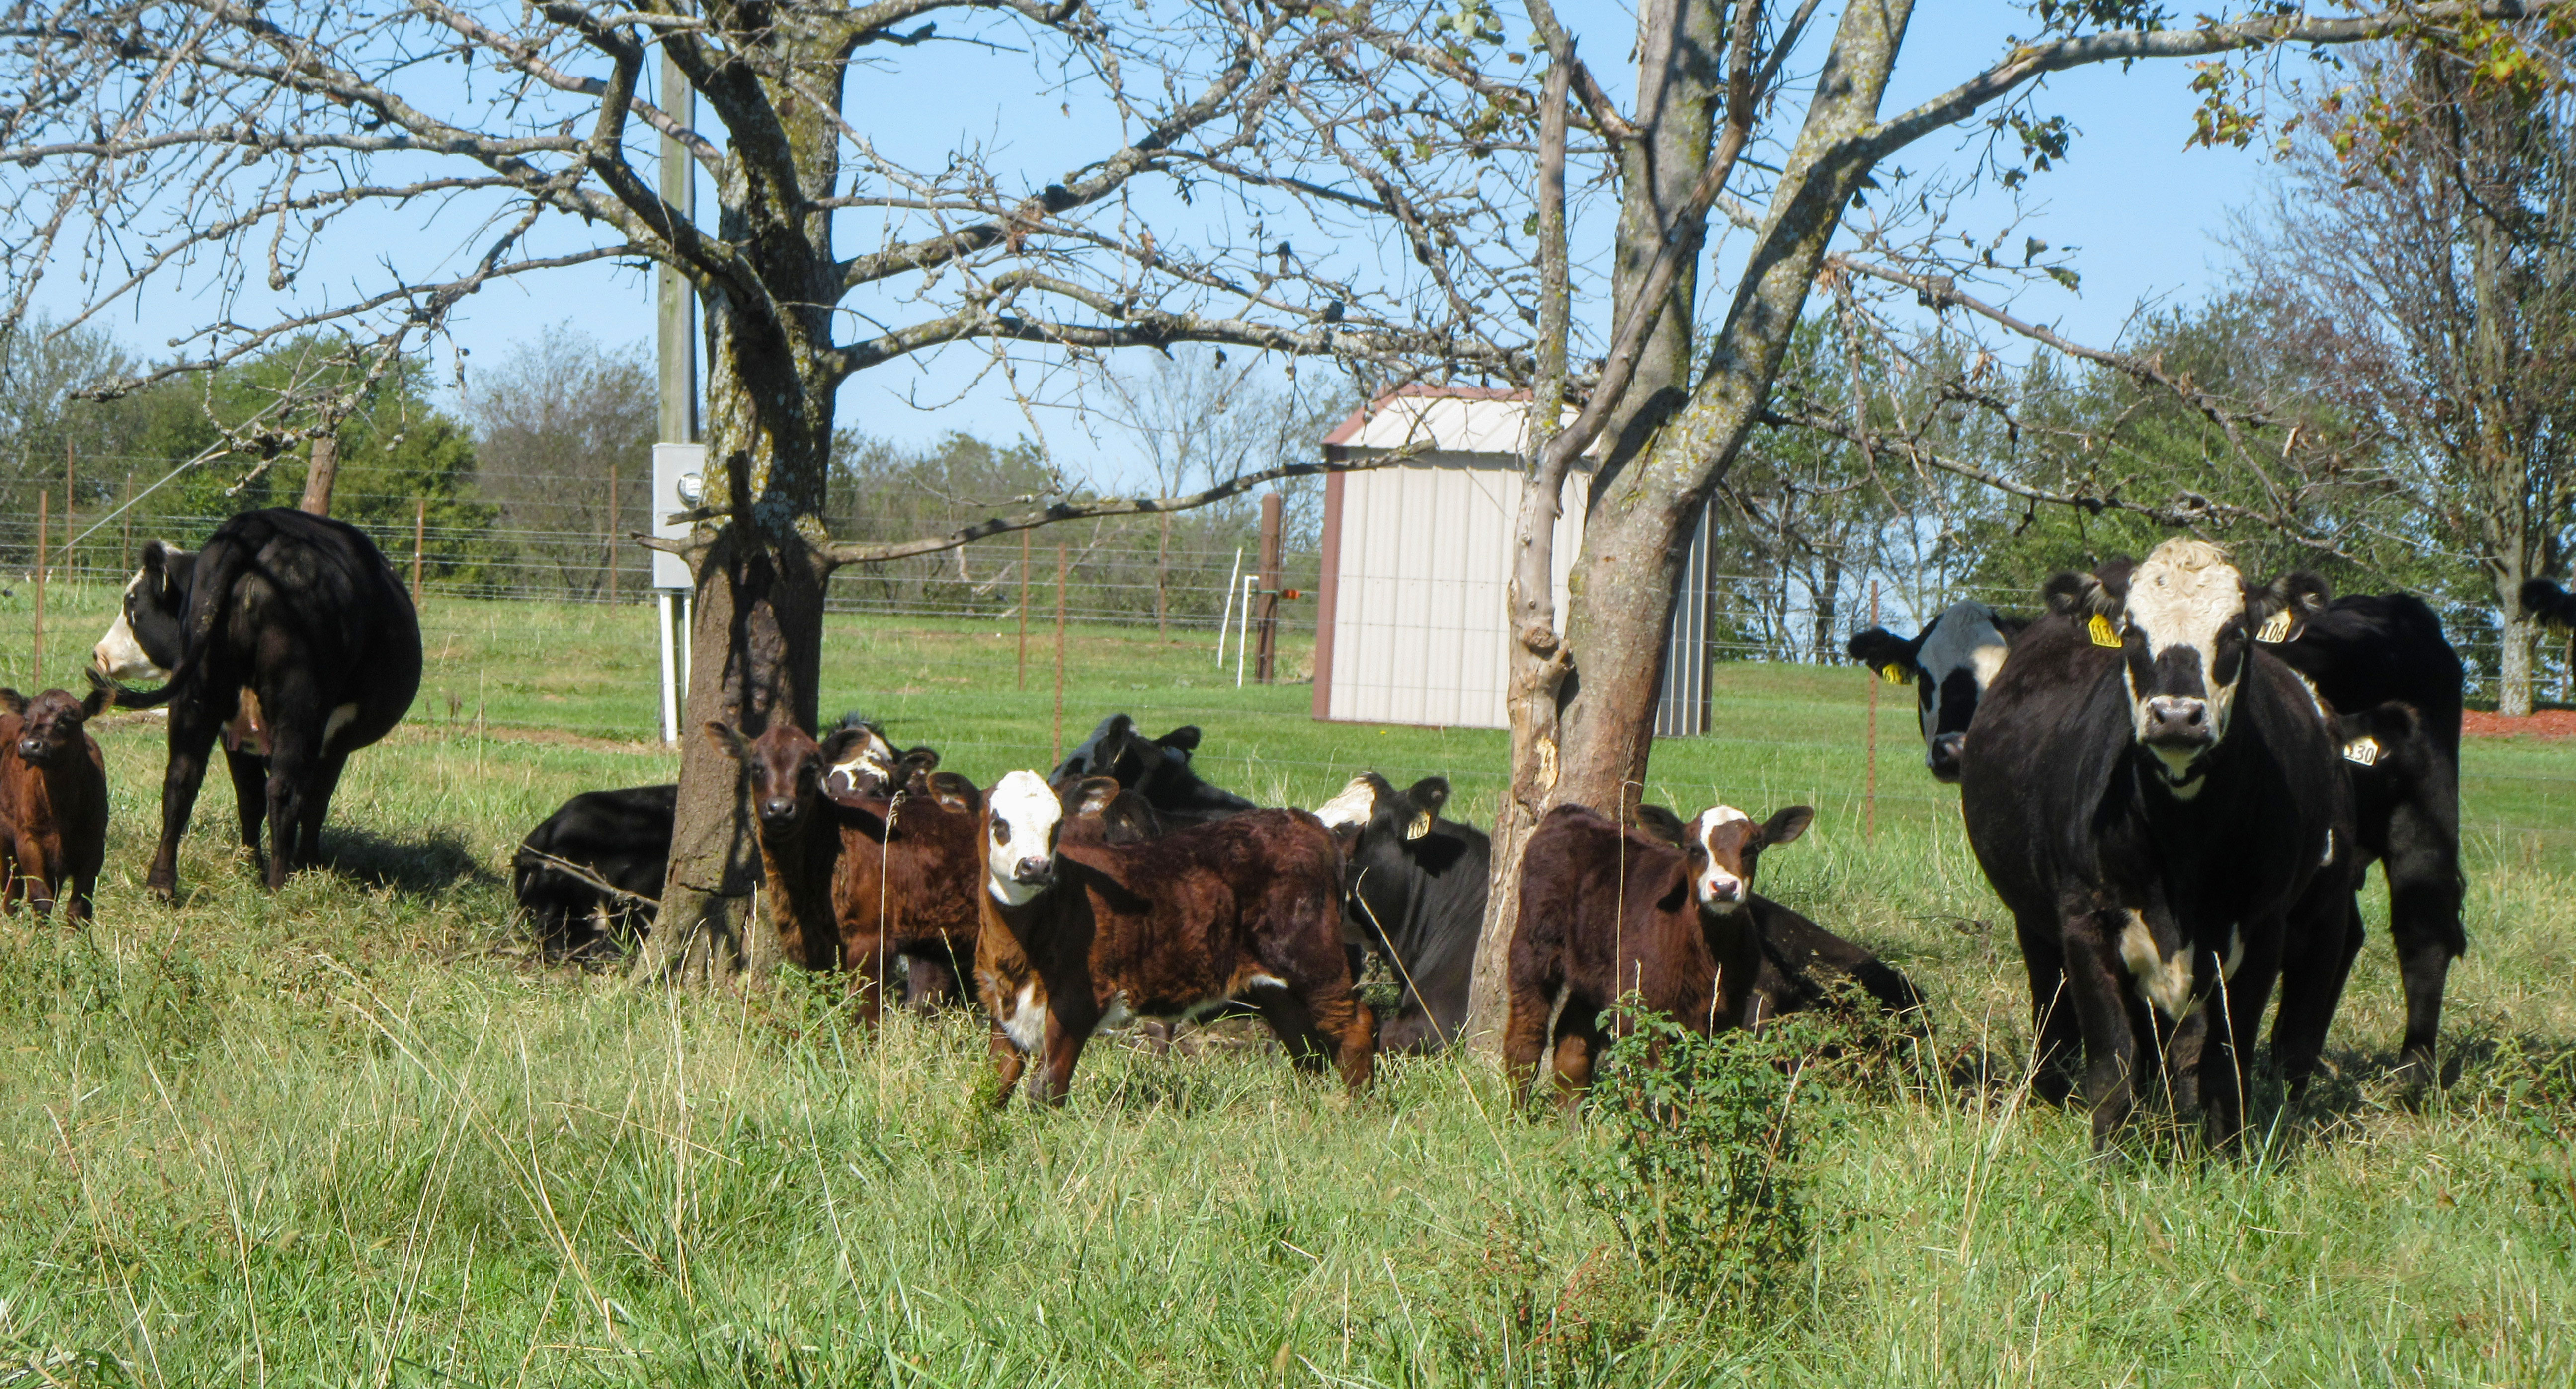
[[1415, 889], [2155, 797], [620, 838], [2546, 600], [289, 637], [1156, 768], [2363, 652], [1949, 663]]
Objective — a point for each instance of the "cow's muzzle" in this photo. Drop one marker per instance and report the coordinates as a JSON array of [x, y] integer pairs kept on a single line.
[[778, 810], [1942, 755], [2178, 721], [1034, 872]]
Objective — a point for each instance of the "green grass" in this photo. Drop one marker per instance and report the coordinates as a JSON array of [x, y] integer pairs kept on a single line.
[[353, 1133]]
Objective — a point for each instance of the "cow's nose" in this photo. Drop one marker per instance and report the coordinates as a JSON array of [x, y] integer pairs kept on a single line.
[[1943, 754], [1726, 891], [777, 808], [1034, 871], [2177, 717], [31, 749]]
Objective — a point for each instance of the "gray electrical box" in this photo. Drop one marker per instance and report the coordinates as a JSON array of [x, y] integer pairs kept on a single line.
[[672, 463]]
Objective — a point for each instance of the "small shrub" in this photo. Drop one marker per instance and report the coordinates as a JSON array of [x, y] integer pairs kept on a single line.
[[1702, 1167]]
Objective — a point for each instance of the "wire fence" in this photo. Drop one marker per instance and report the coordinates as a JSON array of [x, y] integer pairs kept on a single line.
[[482, 538]]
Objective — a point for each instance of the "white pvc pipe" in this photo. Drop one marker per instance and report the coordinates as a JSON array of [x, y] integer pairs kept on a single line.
[[662, 604], [1225, 620]]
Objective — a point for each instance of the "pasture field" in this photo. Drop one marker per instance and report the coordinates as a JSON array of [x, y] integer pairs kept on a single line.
[[356, 1133]]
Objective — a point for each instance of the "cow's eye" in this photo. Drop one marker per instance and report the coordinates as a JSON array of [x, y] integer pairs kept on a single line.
[[1001, 830]]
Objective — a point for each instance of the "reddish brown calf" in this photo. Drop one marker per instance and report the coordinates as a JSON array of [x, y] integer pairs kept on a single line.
[[1607, 911], [864, 853], [1082, 933], [53, 800]]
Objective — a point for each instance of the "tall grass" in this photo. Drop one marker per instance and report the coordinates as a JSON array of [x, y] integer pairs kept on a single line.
[[356, 1133]]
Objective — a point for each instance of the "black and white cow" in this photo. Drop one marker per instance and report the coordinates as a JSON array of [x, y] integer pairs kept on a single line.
[[618, 838], [1156, 768], [1416, 885], [289, 637], [2156, 797], [2362, 653], [1949, 663]]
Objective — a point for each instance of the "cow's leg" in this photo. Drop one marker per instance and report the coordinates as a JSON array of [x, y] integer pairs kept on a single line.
[[865, 959], [2424, 891], [76, 905], [1060, 1047], [11, 885], [2095, 982], [2058, 1036], [2227, 1064], [2315, 965], [1580, 1041], [250, 795], [291, 772], [1008, 1062], [930, 977], [317, 803], [1525, 1036], [192, 736], [1293, 1023]]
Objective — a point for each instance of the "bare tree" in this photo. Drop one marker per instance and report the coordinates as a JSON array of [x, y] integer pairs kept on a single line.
[[228, 149], [550, 422], [2425, 228], [1673, 398]]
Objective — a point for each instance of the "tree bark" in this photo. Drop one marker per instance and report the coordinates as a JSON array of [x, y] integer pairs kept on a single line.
[[320, 474], [1674, 443]]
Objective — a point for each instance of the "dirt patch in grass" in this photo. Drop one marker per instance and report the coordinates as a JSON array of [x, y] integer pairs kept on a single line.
[[2548, 723]]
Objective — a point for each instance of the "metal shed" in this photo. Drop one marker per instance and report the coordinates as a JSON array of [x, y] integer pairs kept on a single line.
[[1410, 626]]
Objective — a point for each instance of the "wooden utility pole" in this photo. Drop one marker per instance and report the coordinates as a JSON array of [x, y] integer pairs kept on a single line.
[[324, 471], [71, 500], [612, 532], [1267, 651], [1024, 610], [675, 303], [43, 500], [419, 532], [1870, 799], [1058, 754]]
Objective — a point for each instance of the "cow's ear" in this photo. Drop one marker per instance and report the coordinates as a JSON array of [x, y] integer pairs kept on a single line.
[[1787, 825], [1662, 824], [2009, 626], [1883, 651], [1182, 739], [920, 758], [12, 702], [100, 694], [2101, 593], [1428, 796], [2278, 611], [1093, 795], [728, 740], [956, 793]]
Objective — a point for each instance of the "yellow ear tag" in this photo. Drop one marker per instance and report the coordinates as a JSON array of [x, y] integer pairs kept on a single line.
[[2100, 627], [2362, 750], [1895, 674], [2275, 628]]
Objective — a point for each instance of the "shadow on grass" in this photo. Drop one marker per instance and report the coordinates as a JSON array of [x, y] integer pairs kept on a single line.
[[433, 866]]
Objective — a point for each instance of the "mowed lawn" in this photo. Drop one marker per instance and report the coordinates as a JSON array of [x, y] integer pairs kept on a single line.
[[356, 1133]]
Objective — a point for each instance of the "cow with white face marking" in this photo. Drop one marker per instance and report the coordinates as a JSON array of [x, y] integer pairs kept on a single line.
[[2157, 798], [1416, 885], [1609, 910], [1949, 663], [1082, 932], [288, 637]]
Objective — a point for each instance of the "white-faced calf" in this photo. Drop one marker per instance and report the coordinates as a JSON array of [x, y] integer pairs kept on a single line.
[[1082, 933]]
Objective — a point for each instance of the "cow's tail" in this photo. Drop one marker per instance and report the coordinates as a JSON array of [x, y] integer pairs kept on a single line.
[[127, 697]]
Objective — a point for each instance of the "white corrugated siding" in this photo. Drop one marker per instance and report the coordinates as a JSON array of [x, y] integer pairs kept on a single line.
[[1418, 620]]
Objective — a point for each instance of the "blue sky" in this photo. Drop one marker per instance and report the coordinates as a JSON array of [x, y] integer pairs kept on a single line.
[[2141, 207]]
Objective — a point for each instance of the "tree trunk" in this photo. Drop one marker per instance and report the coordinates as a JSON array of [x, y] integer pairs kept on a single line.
[[320, 474], [2513, 665], [1670, 443], [755, 637]]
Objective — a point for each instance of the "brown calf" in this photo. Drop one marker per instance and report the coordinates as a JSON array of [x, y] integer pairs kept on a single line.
[[1607, 911], [1082, 933], [53, 800], [865, 853]]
